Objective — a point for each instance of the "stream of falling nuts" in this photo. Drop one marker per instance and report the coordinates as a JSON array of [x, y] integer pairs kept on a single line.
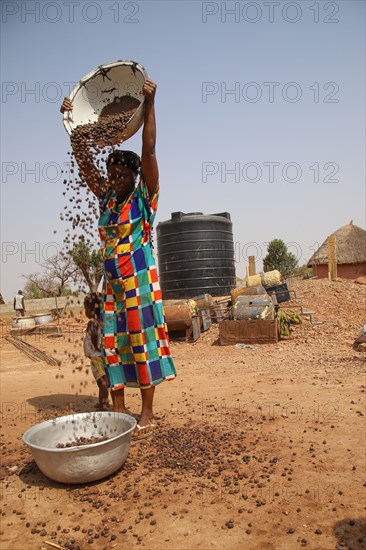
[[81, 209]]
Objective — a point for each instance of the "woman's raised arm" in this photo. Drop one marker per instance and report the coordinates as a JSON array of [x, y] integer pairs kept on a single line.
[[149, 163]]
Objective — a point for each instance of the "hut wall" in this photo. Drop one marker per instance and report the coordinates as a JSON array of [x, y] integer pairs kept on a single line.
[[345, 271]]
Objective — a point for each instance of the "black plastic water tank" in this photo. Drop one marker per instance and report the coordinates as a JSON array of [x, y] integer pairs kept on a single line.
[[196, 255]]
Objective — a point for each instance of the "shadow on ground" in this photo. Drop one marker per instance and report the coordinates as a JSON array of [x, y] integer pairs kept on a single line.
[[351, 534], [58, 404], [32, 476]]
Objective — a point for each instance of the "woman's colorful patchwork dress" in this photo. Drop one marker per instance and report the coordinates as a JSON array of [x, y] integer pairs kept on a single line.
[[135, 343]]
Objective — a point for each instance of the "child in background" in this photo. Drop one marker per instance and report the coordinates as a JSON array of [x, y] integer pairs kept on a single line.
[[92, 341]]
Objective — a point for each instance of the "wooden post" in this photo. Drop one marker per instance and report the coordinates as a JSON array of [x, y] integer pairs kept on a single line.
[[332, 257], [57, 313], [252, 265]]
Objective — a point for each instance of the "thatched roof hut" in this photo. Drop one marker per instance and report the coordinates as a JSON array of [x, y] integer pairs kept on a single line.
[[351, 253]]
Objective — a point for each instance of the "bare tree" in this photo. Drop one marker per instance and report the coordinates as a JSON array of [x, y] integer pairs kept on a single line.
[[58, 272]]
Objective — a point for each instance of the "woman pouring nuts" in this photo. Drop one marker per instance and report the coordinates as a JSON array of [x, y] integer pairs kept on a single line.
[[135, 344]]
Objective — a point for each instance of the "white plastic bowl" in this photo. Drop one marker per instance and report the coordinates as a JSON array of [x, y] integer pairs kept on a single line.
[[84, 463], [100, 87], [23, 322], [42, 318]]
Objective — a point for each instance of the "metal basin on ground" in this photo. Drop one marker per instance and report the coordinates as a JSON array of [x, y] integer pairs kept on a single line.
[[84, 463], [42, 318]]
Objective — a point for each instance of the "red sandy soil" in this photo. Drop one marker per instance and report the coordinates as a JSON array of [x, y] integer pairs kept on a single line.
[[254, 448]]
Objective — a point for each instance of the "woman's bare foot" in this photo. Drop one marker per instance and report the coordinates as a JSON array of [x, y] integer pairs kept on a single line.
[[146, 419], [143, 431]]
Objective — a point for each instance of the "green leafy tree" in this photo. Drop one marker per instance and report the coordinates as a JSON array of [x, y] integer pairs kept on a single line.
[[279, 258], [89, 263], [32, 289], [303, 271]]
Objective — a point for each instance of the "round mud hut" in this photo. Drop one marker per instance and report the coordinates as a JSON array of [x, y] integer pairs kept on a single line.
[[350, 253]]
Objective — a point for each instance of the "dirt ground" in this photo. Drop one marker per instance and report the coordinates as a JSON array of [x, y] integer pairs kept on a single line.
[[254, 448]]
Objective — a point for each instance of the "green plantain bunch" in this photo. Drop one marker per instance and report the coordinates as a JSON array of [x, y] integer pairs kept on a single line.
[[288, 318]]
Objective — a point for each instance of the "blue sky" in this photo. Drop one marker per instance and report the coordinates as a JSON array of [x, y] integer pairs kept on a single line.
[[216, 65]]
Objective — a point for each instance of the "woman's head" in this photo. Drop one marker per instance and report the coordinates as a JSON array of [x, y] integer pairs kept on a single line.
[[92, 303], [122, 170]]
